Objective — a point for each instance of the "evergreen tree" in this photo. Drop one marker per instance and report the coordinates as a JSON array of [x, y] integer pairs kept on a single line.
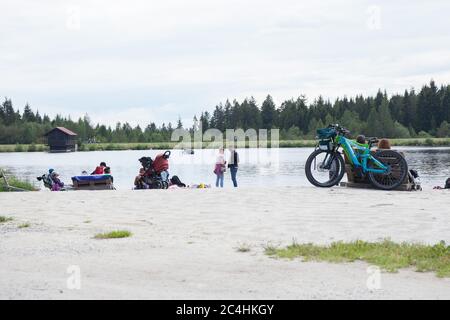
[[28, 114], [374, 126], [10, 115], [445, 104], [428, 107], [410, 114], [204, 120], [444, 130], [179, 123], [386, 122], [218, 118], [268, 113]]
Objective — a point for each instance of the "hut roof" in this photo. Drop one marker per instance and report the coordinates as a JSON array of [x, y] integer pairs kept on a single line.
[[62, 129]]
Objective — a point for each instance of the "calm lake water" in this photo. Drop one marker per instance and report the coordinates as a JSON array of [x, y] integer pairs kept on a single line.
[[259, 167]]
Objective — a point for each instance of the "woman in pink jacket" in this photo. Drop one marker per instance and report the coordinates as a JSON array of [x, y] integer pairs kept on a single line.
[[220, 168]]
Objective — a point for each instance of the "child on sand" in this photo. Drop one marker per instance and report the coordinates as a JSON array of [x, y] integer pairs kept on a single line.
[[139, 181], [57, 184]]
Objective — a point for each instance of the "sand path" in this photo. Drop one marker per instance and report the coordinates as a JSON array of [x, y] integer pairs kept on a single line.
[[184, 243]]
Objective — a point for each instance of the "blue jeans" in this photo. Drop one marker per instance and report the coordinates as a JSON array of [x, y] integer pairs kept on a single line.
[[219, 180], [233, 171]]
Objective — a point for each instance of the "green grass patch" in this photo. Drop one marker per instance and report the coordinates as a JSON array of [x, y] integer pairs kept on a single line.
[[24, 225], [23, 147], [114, 234], [4, 219], [16, 183], [387, 255]]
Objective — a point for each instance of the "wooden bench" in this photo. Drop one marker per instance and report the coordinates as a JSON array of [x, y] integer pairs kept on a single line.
[[355, 181], [106, 184]]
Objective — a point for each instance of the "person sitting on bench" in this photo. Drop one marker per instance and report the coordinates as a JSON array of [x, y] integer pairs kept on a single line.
[[108, 171], [384, 144], [361, 139], [57, 183], [100, 169]]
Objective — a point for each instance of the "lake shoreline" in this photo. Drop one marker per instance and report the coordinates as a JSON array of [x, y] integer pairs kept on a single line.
[[412, 142], [258, 167], [187, 243]]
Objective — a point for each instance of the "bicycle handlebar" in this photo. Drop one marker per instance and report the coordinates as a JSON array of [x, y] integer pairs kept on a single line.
[[339, 129]]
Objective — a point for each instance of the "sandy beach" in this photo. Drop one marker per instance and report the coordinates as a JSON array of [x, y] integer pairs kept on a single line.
[[185, 243]]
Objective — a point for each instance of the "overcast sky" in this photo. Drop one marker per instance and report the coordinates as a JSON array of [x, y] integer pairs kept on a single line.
[[142, 61]]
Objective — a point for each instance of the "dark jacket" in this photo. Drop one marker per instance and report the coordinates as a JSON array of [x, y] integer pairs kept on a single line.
[[234, 160]]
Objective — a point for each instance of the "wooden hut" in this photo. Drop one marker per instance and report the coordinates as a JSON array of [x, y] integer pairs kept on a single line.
[[60, 139]]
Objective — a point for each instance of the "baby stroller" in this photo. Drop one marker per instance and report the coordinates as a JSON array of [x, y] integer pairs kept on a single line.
[[51, 181], [156, 174], [45, 178]]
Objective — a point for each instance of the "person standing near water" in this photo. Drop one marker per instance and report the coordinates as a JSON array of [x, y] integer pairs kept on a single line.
[[233, 165], [219, 168]]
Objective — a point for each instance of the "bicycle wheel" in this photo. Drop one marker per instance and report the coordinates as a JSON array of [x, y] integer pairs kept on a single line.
[[397, 170], [157, 185], [324, 168]]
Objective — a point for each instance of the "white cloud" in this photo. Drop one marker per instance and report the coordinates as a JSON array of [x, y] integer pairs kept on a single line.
[[175, 58]]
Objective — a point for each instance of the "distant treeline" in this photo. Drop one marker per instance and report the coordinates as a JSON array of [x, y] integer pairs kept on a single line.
[[409, 115]]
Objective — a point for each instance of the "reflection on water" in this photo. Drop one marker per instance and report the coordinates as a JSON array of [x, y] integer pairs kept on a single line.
[[269, 168], [433, 164]]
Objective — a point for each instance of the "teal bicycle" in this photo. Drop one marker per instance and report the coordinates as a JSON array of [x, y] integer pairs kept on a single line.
[[325, 167]]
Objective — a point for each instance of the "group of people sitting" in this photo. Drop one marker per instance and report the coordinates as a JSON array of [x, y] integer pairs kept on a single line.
[[385, 144], [54, 183], [140, 182], [413, 176]]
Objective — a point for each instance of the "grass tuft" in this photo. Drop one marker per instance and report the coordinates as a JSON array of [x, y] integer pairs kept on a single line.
[[114, 234], [24, 225], [243, 247], [388, 255], [5, 219], [15, 182]]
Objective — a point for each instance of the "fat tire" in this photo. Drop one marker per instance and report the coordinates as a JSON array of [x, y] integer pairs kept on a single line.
[[330, 183], [402, 165]]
